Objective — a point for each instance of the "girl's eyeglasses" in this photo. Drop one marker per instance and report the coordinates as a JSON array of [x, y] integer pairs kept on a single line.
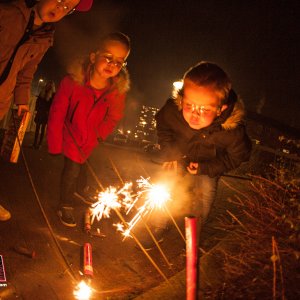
[[110, 61]]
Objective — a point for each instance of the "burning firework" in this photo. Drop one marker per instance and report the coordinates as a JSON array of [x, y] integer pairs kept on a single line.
[[82, 291]]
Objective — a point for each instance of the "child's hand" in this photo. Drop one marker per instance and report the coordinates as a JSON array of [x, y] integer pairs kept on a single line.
[[21, 108], [170, 166], [193, 168]]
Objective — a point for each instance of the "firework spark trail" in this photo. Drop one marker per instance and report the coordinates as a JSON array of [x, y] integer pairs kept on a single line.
[[108, 200], [155, 196]]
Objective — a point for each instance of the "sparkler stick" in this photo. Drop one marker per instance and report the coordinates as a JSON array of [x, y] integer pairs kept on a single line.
[[142, 247], [173, 220], [115, 169], [157, 245]]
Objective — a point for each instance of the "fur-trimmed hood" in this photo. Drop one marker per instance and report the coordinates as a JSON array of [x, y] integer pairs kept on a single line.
[[236, 117], [80, 72]]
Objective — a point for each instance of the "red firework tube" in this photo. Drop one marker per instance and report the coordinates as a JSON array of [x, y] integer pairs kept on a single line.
[[87, 260], [191, 257], [87, 221]]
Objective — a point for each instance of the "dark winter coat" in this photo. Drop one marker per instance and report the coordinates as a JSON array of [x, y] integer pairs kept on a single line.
[[218, 148], [78, 118], [14, 18], [42, 108]]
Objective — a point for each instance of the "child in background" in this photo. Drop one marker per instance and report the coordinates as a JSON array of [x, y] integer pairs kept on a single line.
[[86, 108], [202, 133], [42, 107]]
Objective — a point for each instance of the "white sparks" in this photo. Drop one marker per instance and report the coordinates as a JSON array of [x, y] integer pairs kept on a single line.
[[82, 291]]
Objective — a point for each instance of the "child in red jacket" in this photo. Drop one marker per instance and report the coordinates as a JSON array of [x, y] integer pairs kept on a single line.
[[86, 108]]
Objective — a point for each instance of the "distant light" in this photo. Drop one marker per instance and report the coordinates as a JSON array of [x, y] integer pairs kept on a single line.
[[128, 131], [41, 80]]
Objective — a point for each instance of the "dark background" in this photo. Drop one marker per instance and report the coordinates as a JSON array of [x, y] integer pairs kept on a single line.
[[256, 42]]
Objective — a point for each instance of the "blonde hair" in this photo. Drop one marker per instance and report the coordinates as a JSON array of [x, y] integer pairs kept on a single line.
[[209, 74]]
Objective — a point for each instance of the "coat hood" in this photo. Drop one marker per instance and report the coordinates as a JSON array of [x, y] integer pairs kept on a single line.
[[79, 70]]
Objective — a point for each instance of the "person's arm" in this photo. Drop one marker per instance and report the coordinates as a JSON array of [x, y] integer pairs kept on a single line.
[[57, 115], [113, 115], [167, 136], [24, 79], [238, 150]]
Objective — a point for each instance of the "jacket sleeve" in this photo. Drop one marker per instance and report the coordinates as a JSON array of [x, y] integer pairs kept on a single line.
[[24, 79], [113, 115], [238, 150], [57, 115], [166, 136]]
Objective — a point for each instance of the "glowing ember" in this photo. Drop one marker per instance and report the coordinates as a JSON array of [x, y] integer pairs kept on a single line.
[[82, 291], [108, 200]]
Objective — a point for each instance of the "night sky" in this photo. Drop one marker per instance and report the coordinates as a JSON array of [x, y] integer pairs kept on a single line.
[[255, 42]]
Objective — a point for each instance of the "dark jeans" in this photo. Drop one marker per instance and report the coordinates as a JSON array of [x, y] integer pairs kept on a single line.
[[73, 178], [39, 129]]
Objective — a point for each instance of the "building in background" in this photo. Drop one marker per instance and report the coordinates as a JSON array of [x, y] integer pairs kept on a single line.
[[145, 130]]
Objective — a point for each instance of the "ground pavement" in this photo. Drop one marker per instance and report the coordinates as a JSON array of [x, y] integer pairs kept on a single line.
[[121, 270]]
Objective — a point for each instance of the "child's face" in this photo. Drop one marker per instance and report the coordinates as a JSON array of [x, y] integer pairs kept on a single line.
[[200, 105], [109, 60], [53, 10]]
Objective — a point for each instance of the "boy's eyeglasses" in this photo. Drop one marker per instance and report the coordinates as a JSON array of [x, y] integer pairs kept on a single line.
[[67, 9], [110, 61], [205, 110]]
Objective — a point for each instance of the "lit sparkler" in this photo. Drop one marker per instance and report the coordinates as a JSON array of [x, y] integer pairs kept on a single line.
[[108, 200], [155, 196], [82, 291]]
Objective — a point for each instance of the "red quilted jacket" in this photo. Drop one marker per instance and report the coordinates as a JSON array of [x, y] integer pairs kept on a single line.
[[80, 116]]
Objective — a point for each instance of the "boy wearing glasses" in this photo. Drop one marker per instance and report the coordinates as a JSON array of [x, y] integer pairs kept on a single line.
[[202, 133], [26, 33]]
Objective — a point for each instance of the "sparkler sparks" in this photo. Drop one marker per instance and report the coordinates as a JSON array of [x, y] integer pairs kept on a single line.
[[82, 291], [154, 196], [108, 200]]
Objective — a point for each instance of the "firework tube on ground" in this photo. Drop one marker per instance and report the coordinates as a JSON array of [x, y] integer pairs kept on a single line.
[[191, 257], [87, 260], [87, 221]]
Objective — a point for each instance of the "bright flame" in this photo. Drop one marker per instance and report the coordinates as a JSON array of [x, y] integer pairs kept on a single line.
[[82, 291], [155, 197], [107, 200]]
